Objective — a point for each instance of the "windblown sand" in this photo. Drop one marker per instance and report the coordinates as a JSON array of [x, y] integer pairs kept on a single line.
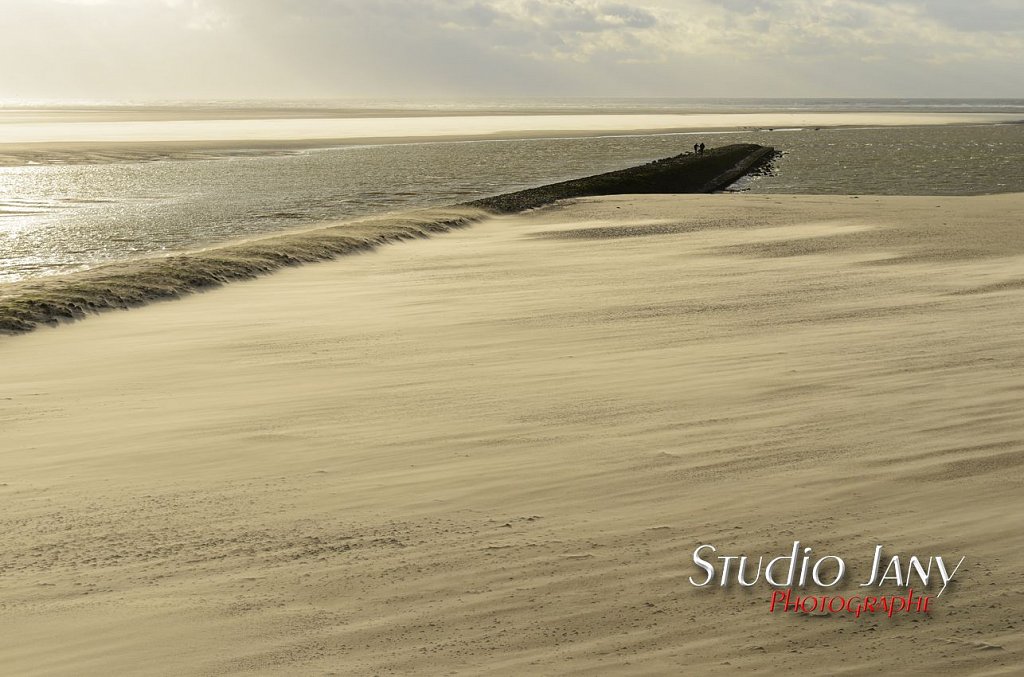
[[495, 451]]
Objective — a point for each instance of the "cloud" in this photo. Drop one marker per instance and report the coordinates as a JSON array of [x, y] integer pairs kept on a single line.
[[312, 48], [582, 30]]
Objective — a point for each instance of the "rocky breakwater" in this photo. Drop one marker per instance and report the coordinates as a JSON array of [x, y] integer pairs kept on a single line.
[[711, 171]]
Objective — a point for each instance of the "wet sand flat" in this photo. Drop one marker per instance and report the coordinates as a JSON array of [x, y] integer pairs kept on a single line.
[[94, 131], [494, 451]]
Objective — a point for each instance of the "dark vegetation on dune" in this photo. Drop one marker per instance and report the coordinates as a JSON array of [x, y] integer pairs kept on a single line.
[[48, 301]]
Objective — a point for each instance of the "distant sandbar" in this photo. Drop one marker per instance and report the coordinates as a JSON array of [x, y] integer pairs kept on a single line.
[[56, 140]]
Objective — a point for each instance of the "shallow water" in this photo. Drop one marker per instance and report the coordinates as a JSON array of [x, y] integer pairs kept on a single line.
[[58, 218]]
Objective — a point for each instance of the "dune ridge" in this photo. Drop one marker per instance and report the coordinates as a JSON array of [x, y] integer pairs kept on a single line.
[[27, 305]]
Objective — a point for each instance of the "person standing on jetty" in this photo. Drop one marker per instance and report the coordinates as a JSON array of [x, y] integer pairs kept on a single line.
[[696, 149], [701, 151]]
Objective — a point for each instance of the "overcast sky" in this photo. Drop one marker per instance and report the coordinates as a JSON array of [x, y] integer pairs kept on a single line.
[[225, 49]]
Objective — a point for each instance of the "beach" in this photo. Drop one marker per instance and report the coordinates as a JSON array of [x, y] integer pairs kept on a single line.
[[494, 451]]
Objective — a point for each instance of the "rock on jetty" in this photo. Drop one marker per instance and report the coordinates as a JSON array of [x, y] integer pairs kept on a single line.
[[686, 173]]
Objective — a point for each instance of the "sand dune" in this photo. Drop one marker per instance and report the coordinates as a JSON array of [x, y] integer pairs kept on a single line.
[[494, 452]]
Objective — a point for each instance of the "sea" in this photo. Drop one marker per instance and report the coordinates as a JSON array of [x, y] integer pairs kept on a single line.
[[76, 208]]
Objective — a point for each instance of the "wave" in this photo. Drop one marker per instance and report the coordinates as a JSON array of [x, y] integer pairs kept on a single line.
[[27, 305]]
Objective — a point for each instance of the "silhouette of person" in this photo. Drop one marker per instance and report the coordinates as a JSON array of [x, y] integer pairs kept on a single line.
[[696, 149], [701, 149]]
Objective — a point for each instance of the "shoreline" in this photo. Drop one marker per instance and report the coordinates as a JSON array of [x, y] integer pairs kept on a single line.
[[28, 304]]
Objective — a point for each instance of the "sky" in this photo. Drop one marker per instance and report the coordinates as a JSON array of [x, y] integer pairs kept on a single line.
[[149, 50]]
